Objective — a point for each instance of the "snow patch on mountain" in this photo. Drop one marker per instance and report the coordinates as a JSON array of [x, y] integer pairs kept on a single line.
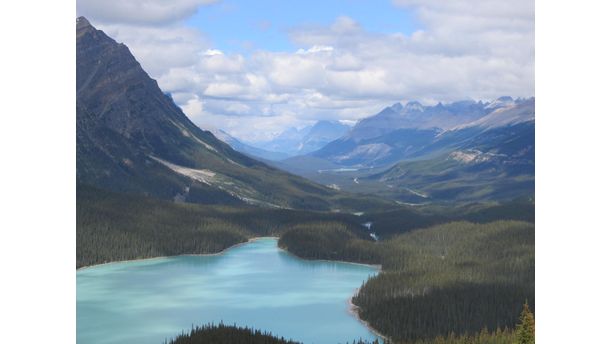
[[473, 156], [500, 102], [513, 113]]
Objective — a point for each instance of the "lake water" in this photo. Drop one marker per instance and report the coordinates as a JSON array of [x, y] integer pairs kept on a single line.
[[256, 284]]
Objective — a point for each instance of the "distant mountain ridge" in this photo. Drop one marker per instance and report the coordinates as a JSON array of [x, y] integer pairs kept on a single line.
[[497, 163], [401, 131], [322, 133], [295, 141], [132, 138], [414, 147], [413, 115], [247, 149]]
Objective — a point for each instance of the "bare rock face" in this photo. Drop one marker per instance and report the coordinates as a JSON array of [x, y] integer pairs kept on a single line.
[[411, 131], [123, 119], [119, 96]]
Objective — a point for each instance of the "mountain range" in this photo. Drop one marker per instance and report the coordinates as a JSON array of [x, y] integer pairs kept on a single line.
[[440, 196], [238, 145], [402, 132], [131, 137], [413, 147], [291, 142], [294, 141]]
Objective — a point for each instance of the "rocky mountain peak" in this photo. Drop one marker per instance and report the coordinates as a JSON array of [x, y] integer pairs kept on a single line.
[[413, 106], [82, 22], [83, 26], [132, 138], [397, 107], [500, 103]]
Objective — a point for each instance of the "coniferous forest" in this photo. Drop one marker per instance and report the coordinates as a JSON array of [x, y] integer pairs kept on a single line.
[[455, 278], [439, 197], [228, 334], [234, 335], [115, 226], [448, 275], [522, 333]]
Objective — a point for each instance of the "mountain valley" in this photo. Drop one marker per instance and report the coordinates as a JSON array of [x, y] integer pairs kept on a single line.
[[131, 137], [440, 199], [478, 151]]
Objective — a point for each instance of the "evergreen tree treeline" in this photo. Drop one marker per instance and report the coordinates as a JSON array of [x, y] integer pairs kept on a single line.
[[441, 284], [229, 335], [113, 226], [455, 278]]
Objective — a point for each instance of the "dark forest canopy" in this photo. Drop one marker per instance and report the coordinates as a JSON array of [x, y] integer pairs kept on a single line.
[[441, 278], [115, 226], [449, 271], [523, 333], [232, 334], [458, 277], [229, 335]]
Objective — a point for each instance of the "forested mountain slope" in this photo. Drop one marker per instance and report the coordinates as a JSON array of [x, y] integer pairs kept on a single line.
[[115, 226], [450, 279]]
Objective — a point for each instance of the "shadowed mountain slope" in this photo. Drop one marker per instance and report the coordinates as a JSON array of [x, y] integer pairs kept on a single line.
[[131, 137]]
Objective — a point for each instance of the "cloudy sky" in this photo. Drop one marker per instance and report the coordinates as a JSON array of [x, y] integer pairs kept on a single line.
[[255, 68]]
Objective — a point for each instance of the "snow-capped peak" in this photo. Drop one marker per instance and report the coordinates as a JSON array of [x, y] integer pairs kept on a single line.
[[397, 107], [413, 106], [500, 102]]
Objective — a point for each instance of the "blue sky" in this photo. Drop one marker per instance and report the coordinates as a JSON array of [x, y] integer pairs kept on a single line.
[[245, 25]]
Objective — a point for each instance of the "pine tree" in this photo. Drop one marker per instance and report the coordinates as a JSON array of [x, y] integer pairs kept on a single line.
[[525, 330]]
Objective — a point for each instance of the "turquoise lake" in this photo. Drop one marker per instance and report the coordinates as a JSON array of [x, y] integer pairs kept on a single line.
[[255, 284]]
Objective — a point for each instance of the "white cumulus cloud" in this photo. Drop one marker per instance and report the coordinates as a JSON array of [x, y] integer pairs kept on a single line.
[[463, 49], [141, 12]]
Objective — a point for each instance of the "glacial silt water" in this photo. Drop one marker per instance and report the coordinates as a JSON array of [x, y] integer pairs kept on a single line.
[[255, 285]]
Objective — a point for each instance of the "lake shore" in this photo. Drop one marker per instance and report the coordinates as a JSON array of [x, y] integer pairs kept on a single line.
[[351, 309], [178, 255], [245, 267], [354, 311], [378, 267]]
